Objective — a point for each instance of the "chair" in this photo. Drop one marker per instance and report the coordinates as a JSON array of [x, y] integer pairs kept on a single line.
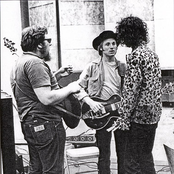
[[170, 157], [82, 157]]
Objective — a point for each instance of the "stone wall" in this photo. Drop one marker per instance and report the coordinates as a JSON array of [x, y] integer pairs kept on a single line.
[[82, 20], [44, 13], [117, 9]]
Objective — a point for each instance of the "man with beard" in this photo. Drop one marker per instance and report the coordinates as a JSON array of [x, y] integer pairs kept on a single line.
[[37, 93]]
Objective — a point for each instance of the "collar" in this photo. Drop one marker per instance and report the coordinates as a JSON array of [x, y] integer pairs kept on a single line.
[[31, 53], [99, 60]]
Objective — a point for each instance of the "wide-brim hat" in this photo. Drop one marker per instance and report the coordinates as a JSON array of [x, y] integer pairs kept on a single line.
[[103, 36]]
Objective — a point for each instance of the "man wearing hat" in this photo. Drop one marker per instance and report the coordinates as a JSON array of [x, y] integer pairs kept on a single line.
[[103, 78]]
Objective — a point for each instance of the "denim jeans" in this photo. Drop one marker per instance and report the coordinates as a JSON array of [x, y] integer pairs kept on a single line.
[[120, 144], [139, 159], [103, 140], [46, 142]]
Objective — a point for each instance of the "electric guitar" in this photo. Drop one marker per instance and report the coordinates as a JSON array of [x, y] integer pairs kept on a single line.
[[71, 110], [100, 119]]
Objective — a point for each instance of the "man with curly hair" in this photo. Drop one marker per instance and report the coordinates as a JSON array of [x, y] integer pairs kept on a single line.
[[37, 94], [141, 103]]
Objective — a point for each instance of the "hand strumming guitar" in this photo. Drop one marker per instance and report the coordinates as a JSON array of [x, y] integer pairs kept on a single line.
[[97, 113], [94, 105]]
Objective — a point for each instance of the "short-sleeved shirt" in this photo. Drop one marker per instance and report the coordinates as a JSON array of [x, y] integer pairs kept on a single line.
[[32, 72]]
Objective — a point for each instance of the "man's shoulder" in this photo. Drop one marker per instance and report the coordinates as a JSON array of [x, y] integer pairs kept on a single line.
[[30, 59], [96, 61]]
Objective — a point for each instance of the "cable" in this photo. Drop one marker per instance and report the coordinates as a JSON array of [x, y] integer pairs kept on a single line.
[[164, 169]]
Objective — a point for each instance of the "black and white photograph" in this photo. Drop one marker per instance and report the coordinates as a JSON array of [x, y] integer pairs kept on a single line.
[[87, 86]]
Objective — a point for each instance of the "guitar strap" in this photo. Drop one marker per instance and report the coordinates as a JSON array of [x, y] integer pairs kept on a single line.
[[121, 72], [15, 84]]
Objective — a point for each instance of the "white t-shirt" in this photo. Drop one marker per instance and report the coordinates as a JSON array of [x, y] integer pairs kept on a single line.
[[112, 80]]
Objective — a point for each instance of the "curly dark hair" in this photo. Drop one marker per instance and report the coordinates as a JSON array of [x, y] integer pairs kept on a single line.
[[132, 31], [32, 36]]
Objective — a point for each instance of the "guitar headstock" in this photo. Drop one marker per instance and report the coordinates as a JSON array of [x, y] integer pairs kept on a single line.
[[10, 45]]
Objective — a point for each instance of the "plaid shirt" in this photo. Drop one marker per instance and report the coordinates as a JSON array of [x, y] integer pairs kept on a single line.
[[141, 102]]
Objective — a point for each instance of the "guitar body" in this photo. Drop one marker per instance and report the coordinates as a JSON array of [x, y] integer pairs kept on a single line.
[[98, 124], [99, 121], [71, 104]]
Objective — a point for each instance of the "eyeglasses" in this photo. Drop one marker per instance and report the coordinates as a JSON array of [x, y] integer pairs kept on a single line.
[[48, 39]]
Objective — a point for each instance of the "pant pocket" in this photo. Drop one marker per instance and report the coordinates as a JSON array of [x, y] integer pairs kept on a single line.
[[42, 132]]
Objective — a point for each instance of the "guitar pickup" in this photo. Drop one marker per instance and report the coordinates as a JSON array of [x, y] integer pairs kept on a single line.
[[114, 106]]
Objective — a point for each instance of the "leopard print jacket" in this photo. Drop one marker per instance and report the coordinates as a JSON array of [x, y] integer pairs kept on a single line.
[[141, 102]]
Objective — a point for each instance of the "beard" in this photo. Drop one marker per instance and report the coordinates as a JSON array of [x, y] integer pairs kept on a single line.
[[47, 57]]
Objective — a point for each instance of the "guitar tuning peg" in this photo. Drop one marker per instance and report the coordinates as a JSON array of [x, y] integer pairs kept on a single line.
[[13, 49]]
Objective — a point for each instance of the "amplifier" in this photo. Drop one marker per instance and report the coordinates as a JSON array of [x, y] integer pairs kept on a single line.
[[87, 138], [7, 134]]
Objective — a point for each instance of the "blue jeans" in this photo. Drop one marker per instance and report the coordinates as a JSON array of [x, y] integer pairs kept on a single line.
[[46, 142], [139, 159]]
